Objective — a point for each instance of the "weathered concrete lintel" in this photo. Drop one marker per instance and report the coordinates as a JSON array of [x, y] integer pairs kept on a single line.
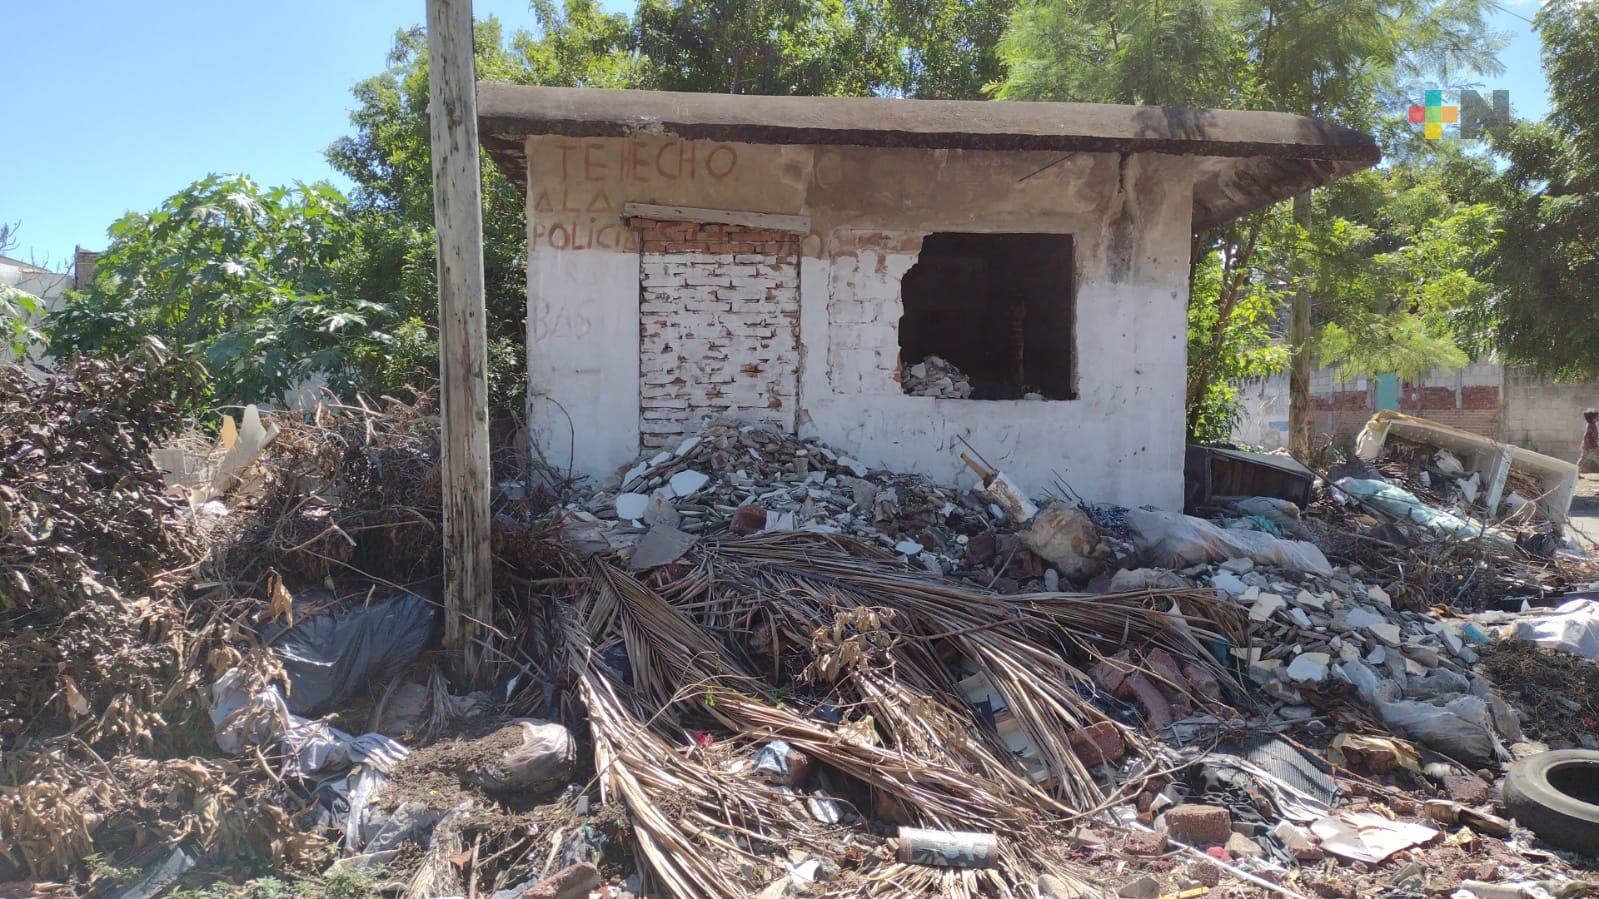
[[771, 221], [1252, 158]]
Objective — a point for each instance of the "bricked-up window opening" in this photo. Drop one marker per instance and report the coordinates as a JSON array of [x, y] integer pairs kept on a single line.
[[718, 327], [996, 306]]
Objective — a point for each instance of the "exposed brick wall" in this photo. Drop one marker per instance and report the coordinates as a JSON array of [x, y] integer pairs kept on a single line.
[[1341, 414], [864, 308], [1415, 400], [1479, 398], [1341, 401], [1478, 421], [718, 327]]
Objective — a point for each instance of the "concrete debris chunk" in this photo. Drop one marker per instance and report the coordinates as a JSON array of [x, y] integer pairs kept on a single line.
[[1265, 604], [631, 506], [687, 483], [1309, 667], [935, 376]]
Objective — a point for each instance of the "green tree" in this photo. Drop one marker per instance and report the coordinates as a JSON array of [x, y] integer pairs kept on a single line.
[[272, 285], [947, 49], [1544, 312], [1344, 60], [393, 252], [789, 47], [250, 280]]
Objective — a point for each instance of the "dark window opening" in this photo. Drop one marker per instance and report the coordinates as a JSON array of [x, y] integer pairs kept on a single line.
[[996, 307]]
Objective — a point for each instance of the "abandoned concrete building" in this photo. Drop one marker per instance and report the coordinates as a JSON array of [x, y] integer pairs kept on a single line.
[[779, 259]]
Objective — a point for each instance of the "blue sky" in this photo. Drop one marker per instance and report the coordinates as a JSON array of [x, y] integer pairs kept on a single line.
[[114, 106]]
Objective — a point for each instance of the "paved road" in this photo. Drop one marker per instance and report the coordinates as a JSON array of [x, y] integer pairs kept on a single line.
[[1585, 507]]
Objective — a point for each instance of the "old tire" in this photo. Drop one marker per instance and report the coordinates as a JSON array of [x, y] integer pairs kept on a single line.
[[1555, 795]]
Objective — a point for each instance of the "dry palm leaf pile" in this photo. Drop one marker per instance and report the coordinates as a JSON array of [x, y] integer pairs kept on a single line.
[[856, 663]]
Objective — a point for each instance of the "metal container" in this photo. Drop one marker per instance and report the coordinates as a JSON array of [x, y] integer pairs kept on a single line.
[[948, 848]]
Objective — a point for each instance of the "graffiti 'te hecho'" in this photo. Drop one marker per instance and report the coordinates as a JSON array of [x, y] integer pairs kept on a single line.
[[585, 208]]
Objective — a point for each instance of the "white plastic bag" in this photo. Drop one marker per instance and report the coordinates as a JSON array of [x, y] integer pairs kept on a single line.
[[1171, 540], [1442, 729], [1573, 628]]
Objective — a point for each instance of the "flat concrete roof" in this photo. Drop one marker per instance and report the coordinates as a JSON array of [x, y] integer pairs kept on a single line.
[[1244, 159]]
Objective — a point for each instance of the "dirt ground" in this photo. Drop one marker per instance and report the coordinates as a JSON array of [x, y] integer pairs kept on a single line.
[[1556, 693]]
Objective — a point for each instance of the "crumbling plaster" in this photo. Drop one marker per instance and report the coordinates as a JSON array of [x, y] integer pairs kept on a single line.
[[1121, 440]]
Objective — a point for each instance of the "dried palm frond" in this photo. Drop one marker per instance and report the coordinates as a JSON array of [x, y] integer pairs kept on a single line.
[[750, 637]]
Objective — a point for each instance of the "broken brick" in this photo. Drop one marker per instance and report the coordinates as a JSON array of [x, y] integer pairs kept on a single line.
[[1299, 842], [1207, 873], [1467, 789], [748, 520], [981, 549], [1199, 825], [1097, 743], [571, 882], [1141, 842]]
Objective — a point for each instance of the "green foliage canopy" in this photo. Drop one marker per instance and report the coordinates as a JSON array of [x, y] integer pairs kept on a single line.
[[252, 281], [1345, 60], [1544, 312]]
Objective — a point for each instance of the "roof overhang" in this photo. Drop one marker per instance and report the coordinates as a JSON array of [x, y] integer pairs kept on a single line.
[[1244, 159]]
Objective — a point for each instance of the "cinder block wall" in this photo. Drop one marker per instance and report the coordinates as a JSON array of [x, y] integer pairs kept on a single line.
[[1544, 416]]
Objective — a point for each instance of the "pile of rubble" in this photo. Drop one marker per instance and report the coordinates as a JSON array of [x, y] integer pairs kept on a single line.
[[935, 376], [1414, 669], [752, 665], [749, 480]]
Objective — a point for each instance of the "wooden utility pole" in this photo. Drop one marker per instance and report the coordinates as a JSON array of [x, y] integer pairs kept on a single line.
[[463, 337]]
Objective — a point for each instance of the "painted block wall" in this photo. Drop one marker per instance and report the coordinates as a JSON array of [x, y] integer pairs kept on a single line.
[[1546, 416], [1121, 440], [1468, 398]]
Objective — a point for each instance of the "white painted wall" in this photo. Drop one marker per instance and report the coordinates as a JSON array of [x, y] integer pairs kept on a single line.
[[1121, 440], [48, 287]]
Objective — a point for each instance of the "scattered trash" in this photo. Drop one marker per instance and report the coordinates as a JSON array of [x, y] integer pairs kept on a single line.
[[779, 763], [1403, 505], [330, 653], [1571, 627], [776, 656], [1378, 755], [1066, 537], [1178, 541], [1210, 473], [544, 760], [1368, 837], [948, 848]]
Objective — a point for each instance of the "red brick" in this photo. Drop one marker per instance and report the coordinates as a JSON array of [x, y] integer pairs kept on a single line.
[[573, 882], [748, 520], [1097, 743], [1143, 843], [1479, 398], [1199, 825], [1467, 789]]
